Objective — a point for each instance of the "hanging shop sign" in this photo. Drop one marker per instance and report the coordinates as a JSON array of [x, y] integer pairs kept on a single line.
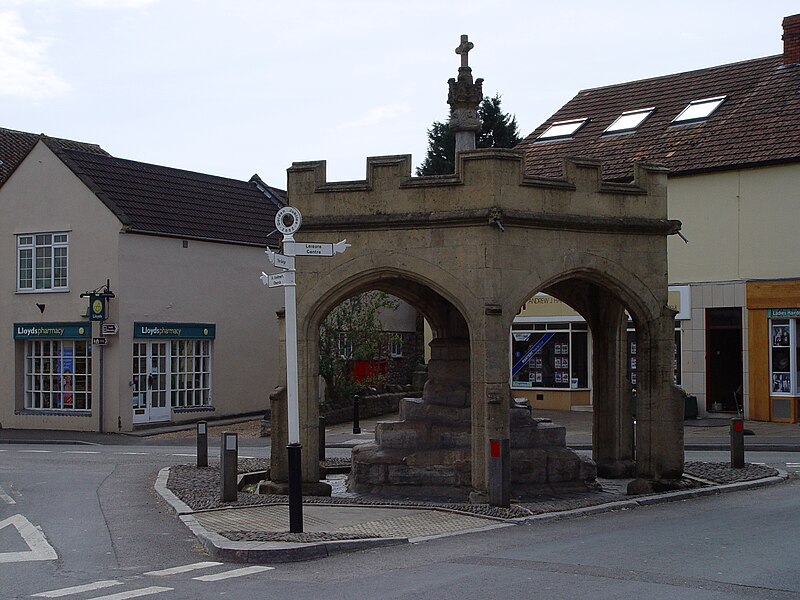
[[97, 307], [50, 331], [172, 331]]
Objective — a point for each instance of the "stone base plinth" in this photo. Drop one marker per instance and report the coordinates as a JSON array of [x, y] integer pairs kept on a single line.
[[429, 454]]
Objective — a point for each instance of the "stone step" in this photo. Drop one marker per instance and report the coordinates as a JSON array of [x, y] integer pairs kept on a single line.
[[412, 435], [416, 409], [374, 466]]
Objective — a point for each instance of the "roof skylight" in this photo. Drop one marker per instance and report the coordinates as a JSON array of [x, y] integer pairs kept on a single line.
[[699, 109], [562, 129], [629, 120]]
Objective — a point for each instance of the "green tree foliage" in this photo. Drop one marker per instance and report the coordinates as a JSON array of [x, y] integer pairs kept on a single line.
[[353, 331], [498, 130]]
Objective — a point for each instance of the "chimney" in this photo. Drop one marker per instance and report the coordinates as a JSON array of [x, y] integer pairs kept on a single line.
[[791, 40]]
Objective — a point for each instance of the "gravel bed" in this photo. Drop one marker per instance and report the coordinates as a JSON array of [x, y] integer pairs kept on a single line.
[[721, 472], [199, 488]]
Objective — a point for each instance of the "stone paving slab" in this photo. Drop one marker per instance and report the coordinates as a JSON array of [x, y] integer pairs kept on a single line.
[[375, 522]]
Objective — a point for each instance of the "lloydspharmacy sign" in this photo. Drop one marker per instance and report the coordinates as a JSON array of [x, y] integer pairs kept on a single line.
[[27, 331]]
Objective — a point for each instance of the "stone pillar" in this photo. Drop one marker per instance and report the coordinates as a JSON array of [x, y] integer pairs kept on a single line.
[[464, 97], [612, 428], [491, 395], [279, 435], [308, 375], [659, 407]]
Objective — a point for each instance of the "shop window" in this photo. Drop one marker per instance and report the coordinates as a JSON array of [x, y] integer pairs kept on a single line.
[[784, 357], [42, 261], [555, 358], [190, 373], [633, 357], [58, 375]]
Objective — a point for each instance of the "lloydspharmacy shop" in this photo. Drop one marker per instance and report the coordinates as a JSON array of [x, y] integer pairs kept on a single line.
[[100, 377]]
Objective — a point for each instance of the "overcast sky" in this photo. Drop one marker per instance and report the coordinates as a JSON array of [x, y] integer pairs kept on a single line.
[[233, 87]]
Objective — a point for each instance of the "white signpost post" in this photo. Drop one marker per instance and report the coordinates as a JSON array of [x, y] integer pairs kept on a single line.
[[287, 222]]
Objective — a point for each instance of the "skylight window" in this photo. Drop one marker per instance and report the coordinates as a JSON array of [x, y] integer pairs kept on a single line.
[[629, 120], [699, 110], [562, 129]]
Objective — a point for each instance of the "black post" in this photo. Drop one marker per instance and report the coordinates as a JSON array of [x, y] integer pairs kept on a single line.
[[202, 444], [322, 438], [295, 489], [229, 467], [737, 443], [356, 425], [499, 472]]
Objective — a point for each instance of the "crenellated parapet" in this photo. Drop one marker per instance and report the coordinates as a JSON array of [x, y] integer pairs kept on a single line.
[[488, 183]]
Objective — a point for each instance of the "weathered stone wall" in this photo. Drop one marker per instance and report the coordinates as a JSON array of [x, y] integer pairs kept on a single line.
[[468, 249]]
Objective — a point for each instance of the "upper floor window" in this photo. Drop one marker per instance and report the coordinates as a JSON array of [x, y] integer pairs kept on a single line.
[[42, 261], [562, 129], [629, 120], [699, 110]]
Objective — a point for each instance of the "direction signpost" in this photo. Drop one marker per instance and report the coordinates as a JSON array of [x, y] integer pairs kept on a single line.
[[287, 222]]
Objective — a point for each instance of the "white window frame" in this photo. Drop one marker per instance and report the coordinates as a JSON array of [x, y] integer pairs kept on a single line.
[[189, 372], [563, 129], [793, 381], [46, 378], [53, 274], [630, 120], [690, 114], [395, 346]]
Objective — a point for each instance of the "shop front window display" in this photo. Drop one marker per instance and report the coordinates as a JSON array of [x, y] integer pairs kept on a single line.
[[552, 357]]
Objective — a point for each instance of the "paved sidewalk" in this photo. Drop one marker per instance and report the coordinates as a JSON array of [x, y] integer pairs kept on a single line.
[[699, 434]]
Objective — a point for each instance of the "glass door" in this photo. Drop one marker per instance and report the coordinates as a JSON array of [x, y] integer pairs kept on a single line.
[[149, 382]]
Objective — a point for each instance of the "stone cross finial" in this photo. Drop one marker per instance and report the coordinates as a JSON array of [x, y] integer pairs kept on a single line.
[[463, 49]]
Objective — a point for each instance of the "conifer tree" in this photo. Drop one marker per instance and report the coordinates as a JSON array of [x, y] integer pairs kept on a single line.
[[498, 130]]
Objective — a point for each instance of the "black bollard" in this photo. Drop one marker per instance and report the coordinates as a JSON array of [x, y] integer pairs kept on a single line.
[[202, 444], [737, 443], [295, 488], [229, 467], [356, 424]]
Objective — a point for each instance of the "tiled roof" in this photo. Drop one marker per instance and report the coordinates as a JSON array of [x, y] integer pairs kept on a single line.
[[15, 146], [163, 201], [758, 123]]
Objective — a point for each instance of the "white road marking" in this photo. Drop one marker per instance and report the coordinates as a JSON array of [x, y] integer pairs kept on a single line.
[[89, 587], [183, 569], [233, 573], [36, 451], [33, 537], [246, 456], [6, 498], [793, 464], [135, 593], [183, 455], [133, 453], [81, 452]]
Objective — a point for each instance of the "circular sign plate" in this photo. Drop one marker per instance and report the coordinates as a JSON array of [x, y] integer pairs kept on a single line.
[[288, 220]]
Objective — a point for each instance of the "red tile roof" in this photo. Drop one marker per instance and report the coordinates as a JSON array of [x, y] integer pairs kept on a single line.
[[758, 123]]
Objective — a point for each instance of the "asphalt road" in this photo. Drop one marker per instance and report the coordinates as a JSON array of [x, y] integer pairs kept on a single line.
[[105, 534]]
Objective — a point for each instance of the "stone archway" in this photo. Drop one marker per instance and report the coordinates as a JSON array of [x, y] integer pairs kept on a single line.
[[480, 240]]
